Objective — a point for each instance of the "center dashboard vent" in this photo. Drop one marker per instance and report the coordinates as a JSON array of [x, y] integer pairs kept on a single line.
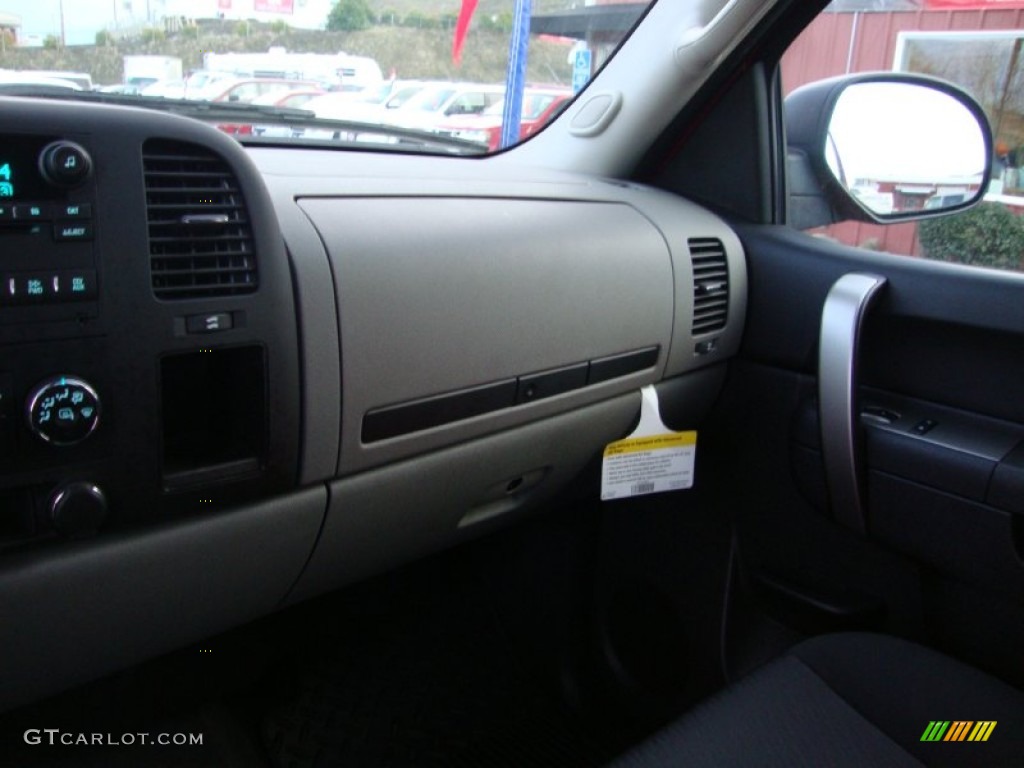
[[710, 284], [200, 238]]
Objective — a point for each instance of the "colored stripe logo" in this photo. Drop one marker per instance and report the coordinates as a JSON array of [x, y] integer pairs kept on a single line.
[[958, 730]]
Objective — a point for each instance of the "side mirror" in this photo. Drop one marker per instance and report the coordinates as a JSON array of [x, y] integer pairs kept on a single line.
[[884, 147]]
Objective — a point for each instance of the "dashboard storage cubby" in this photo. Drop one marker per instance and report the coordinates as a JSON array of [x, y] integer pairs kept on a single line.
[[214, 419]]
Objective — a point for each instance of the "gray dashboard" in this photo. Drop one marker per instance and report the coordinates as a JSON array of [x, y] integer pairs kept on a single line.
[[402, 352]]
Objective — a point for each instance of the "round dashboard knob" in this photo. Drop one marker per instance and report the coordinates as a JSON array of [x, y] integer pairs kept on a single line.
[[63, 410], [77, 509], [64, 163]]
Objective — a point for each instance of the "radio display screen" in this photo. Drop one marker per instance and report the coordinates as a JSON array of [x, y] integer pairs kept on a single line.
[[20, 179]]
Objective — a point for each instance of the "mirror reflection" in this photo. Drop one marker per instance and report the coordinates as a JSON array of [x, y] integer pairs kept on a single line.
[[899, 148]]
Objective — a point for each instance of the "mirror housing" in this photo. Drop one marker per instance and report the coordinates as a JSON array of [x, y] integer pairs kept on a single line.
[[883, 147]]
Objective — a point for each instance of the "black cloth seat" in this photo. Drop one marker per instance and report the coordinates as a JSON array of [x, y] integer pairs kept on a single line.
[[851, 699]]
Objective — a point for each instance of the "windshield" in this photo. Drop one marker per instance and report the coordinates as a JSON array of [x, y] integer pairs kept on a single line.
[[279, 70], [534, 104], [430, 100]]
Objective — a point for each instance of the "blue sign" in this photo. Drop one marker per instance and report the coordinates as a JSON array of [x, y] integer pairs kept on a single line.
[[580, 70]]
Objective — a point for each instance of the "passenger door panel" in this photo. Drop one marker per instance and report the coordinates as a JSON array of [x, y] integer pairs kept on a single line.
[[940, 368]]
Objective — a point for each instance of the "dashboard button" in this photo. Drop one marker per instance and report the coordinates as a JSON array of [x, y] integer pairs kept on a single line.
[[77, 509], [75, 211], [211, 323], [34, 288], [31, 212], [78, 285], [69, 231], [6, 213], [65, 164]]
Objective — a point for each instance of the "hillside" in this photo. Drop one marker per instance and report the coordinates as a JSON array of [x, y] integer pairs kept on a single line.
[[408, 50]]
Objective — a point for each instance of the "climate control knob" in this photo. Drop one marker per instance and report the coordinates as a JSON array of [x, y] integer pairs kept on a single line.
[[63, 410]]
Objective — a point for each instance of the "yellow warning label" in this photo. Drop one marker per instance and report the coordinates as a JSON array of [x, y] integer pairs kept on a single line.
[[651, 443]]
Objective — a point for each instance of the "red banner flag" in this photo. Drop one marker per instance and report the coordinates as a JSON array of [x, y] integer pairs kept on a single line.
[[461, 28], [972, 5]]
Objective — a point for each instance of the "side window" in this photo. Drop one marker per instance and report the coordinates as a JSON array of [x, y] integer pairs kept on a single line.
[[244, 92], [467, 104], [977, 46]]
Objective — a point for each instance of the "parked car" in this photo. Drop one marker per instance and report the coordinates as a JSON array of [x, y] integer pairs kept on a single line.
[[199, 81], [245, 90], [433, 104], [82, 79], [367, 106], [164, 89], [14, 81], [627, 445], [539, 106], [295, 99]]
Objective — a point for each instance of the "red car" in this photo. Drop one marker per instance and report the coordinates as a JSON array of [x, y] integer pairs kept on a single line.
[[539, 106], [283, 98]]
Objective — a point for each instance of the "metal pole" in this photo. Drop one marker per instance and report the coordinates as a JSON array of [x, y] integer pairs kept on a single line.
[[515, 82], [1010, 71], [853, 42], [63, 40]]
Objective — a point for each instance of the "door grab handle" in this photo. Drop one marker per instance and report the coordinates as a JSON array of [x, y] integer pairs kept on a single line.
[[841, 319]]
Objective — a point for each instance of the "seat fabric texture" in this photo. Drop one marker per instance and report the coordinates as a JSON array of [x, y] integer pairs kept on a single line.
[[851, 699]]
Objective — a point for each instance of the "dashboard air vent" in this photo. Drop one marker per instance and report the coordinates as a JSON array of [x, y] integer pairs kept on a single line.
[[710, 284], [200, 240]]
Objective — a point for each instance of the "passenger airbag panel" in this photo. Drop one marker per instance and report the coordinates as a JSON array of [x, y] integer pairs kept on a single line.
[[444, 300]]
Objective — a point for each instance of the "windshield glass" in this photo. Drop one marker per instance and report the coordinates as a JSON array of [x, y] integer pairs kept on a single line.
[[293, 71], [429, 100]]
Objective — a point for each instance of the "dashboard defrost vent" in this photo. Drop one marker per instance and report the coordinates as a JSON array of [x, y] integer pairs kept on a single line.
[[710, 284], [200, 240]]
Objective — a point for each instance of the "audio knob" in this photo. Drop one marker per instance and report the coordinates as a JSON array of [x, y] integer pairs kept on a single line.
[[63, 410], [65, 164], [78, 509]]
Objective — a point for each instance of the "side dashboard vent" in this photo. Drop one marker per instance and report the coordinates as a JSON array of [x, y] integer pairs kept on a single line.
[[200, 238], [710, 284]]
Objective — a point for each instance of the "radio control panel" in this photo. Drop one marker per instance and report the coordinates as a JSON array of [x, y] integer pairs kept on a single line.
[[48, 264]]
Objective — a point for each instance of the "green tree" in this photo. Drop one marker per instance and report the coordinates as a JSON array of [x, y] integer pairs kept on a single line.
[[419, 20], [988, 235], [104, 38], [349, 16], [498, 22], [51, 42]]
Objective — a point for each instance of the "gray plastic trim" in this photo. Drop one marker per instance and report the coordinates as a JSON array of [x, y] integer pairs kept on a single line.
[[493, 203], [319, 345], [82, 610], [596, 113], [386, 517], [437, 295], [841, 320]]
